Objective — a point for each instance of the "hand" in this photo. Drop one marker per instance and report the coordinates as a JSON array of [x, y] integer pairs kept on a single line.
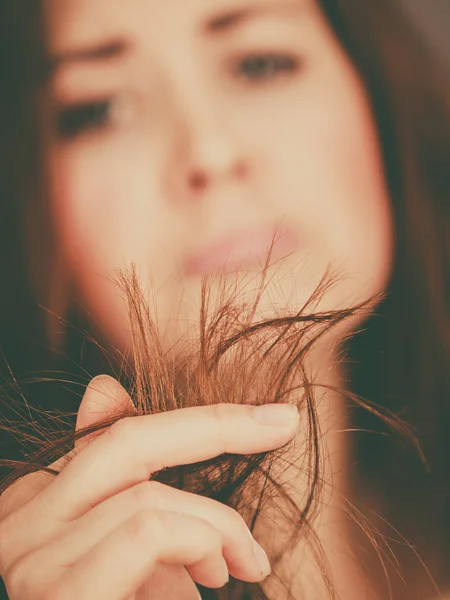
[[100, 530]]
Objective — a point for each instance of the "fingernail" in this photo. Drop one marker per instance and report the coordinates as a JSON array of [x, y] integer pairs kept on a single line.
[[262, 560], [275, 414]]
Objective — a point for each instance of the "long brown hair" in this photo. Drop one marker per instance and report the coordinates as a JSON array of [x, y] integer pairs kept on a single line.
[[404, 355], [236, 357], [401, 359]]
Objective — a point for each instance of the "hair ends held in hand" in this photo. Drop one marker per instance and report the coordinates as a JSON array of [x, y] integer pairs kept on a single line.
[[235, 357]]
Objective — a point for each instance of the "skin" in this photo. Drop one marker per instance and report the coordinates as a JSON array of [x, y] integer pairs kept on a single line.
[[195, 148], [191, 146], [101, 529]]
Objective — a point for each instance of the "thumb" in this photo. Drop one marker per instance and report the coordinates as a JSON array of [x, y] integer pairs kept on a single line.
[[104, 397]]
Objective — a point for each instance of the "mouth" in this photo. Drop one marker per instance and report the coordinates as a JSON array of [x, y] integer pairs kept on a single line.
[[241, 249]]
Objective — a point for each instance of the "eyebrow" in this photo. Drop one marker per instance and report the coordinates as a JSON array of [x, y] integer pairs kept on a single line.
[[107, 50], [236, 17], [221, 24]]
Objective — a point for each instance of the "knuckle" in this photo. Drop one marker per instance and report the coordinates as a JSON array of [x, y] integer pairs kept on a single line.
[[221, 413], [224, 412], [237, 521], [148, 492], [121, 429], [212, 542], [144, 528]]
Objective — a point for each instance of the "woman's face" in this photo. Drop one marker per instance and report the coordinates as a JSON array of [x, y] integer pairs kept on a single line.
[[186, 132]]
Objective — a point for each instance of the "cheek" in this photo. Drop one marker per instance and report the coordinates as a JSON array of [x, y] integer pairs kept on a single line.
[[108, 214], [333, 182], [107, 210], [354, 191]]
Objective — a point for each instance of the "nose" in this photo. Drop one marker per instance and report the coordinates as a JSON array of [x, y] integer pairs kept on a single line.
[[206, 153], [213, 162]]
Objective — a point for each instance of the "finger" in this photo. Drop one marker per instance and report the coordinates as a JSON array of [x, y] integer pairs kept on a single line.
[[244, 559], [15, 533], [104, 397], [134, 448], [121, 563]]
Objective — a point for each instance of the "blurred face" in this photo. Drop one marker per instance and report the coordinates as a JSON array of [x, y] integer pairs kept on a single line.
[[185, 134]]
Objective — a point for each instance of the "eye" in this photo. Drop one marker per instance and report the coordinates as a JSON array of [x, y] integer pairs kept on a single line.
[[82, 118], [263, 68]]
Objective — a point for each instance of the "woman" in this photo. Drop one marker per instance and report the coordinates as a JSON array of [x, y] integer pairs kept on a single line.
[[229, 121]]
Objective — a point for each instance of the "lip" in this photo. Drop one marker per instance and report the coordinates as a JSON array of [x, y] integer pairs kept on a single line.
[[241, 249]]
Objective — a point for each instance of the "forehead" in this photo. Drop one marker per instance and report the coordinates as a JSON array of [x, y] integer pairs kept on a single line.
[[81, 20]]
